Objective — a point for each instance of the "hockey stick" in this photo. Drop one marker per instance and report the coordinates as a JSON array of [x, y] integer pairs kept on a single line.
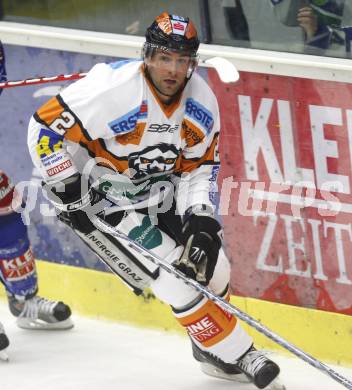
[[42, 80], [226, 71], [104, 226]]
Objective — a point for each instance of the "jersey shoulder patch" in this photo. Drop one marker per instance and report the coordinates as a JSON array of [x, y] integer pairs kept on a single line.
[[201, 106]]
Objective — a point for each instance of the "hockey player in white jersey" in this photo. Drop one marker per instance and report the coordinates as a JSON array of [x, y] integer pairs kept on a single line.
[[151, 128]]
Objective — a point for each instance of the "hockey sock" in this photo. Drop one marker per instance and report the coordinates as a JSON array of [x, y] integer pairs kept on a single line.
[[214, 330]]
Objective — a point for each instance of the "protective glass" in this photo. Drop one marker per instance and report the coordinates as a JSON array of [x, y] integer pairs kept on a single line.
[[172, 60]]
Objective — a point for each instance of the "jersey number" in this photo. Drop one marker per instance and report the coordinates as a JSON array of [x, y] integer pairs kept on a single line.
[[60, 125]]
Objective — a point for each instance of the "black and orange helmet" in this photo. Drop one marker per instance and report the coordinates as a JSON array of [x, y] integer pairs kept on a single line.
[[172, 32]]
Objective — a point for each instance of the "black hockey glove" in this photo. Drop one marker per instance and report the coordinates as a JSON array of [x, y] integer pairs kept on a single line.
[[201, 236], [74, 204]]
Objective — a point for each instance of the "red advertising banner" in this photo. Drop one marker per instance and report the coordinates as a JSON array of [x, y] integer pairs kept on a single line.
[[286, 188]]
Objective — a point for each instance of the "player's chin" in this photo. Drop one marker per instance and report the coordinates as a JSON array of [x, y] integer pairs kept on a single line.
[[171, 89]]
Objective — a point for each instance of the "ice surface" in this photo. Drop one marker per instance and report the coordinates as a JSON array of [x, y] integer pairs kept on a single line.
[[100, 355]]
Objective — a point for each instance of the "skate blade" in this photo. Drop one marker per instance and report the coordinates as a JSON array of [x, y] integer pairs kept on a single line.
[[214, 372], [210, 370], [276, 384], [37, 324], [4, 356]]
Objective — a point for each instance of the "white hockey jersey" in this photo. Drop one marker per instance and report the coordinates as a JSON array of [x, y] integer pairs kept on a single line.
[[116, 117]]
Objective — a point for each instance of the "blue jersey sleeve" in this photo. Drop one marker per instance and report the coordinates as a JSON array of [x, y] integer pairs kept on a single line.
[[3, 76]]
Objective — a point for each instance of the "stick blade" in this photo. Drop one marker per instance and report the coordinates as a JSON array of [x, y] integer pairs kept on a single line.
[[225, 69]]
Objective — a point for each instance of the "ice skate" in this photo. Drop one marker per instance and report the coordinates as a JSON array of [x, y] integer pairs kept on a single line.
[[41, 313], [4, 343], [253, 367]]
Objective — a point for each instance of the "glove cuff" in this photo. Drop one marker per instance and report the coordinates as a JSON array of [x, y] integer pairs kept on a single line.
[[202, 224], [78, 204], [68, 195], [200, 210]]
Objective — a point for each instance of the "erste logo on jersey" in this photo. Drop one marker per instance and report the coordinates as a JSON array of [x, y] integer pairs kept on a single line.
[[197, 112], [128, 121]]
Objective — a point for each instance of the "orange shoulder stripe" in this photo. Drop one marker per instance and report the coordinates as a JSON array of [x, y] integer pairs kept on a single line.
[[96, 149], [54, 111]]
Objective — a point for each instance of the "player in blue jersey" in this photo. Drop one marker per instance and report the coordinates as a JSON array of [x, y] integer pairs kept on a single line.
[[17, 265], [2, 66], [18, 271]]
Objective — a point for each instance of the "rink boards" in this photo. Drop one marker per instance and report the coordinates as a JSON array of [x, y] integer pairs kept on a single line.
[[288, 120], [324, 335]]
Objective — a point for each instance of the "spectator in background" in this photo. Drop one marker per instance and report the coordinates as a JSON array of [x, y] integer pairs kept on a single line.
[[235, 19], [320, 20]]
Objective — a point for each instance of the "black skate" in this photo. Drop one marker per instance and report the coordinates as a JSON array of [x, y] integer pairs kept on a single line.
[[258, 368], [252, 367], [40, 313], [4, 343]]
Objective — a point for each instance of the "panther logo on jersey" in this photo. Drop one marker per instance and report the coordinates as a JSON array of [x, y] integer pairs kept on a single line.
[[160, 158]]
